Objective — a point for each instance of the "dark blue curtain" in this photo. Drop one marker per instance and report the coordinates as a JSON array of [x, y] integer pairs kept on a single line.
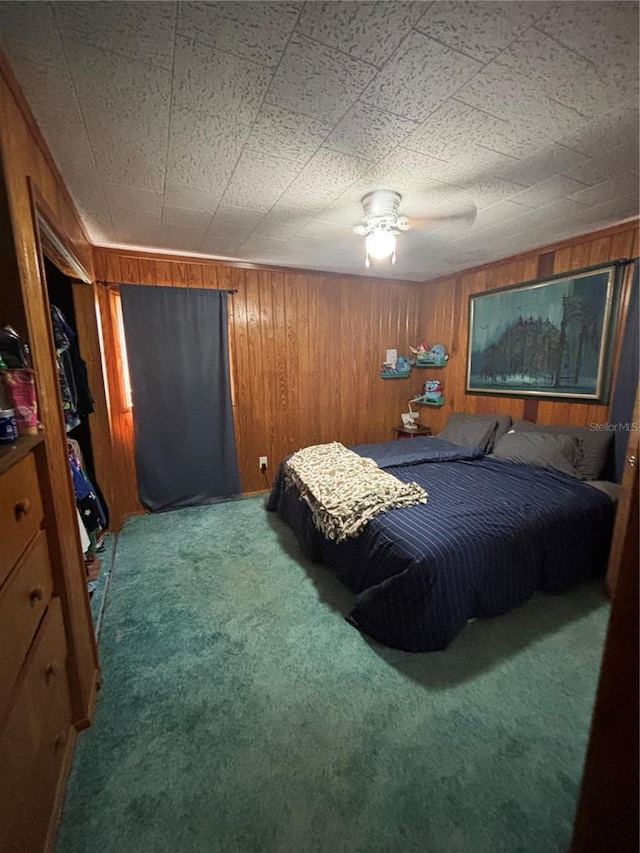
[[626, 384], [178, 348]]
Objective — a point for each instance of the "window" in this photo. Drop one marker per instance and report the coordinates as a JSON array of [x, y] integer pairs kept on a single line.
[[121, 355]]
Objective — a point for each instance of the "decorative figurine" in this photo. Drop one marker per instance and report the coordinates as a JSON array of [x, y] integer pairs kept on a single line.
[[432, 391], [438, 354], [400, 370], [420, 351], [435, 356]]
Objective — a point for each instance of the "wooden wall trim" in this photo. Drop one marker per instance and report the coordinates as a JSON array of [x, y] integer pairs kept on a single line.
[[564, 251], [110, 259], [53, 244]]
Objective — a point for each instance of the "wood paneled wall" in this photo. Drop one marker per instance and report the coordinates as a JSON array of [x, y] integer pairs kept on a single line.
[[306, 351], [24, 303], [307, 348], [444, 310]]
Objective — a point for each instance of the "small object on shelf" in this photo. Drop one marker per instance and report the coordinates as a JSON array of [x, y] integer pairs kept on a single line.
[[420, 350], [13, 352], [436, 356], [431, 394], [432, 391], [19, 386], [8, 427], [400, 370]]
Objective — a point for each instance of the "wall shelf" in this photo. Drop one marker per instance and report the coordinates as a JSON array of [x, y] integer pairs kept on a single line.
[[440, 402]]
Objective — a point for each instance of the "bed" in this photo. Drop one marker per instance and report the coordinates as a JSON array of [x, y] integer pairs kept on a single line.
[[494, 530]]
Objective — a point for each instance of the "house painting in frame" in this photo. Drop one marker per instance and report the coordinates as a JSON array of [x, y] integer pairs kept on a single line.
[[547, 338]]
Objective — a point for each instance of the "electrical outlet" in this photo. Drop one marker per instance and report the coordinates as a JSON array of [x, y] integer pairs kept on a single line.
[[263, 463]]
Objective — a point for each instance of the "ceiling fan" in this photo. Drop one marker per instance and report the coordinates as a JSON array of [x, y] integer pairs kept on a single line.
[[381, 223]]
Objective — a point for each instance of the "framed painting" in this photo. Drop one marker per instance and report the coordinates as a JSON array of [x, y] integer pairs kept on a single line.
[[550, 338]]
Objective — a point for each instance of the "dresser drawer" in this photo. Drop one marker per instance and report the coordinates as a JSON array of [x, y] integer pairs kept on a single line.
[[35, 738], [40, 810], [23, 602], [20, 512]]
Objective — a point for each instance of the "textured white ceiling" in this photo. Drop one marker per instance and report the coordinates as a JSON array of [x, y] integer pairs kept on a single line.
[[251, 130]]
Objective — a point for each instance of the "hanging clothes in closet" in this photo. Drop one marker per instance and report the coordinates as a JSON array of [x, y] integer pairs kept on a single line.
[[77, 400], [87, 501], [90, 513]]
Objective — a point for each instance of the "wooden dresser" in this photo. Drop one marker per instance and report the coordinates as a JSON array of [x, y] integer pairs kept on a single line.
[[36, 732]]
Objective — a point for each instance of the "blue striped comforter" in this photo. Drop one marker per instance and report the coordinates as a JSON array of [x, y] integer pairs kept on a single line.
[[491, 534]]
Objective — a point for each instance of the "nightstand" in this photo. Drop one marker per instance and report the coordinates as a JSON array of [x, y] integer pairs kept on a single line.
[[402, 432]]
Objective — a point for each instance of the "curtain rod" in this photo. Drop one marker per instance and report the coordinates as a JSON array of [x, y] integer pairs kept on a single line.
[[126, 284]]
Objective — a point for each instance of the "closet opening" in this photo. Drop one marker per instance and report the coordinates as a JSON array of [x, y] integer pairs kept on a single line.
[[60, 291], [69, 297], [77, 408]]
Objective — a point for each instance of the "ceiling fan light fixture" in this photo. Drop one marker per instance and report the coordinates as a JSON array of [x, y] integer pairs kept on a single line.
[[380, 244]]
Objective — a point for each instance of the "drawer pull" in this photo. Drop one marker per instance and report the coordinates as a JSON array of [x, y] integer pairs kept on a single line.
[[36, 596], [51, 671], [21, 508]]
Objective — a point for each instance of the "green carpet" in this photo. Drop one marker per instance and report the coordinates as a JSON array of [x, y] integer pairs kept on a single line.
[[240, 712]]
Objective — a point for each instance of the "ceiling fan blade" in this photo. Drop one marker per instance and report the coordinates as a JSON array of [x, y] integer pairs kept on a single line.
[[467, 215], [360, 230]]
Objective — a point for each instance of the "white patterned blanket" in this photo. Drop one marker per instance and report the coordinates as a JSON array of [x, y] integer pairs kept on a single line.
[[345, 491]]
